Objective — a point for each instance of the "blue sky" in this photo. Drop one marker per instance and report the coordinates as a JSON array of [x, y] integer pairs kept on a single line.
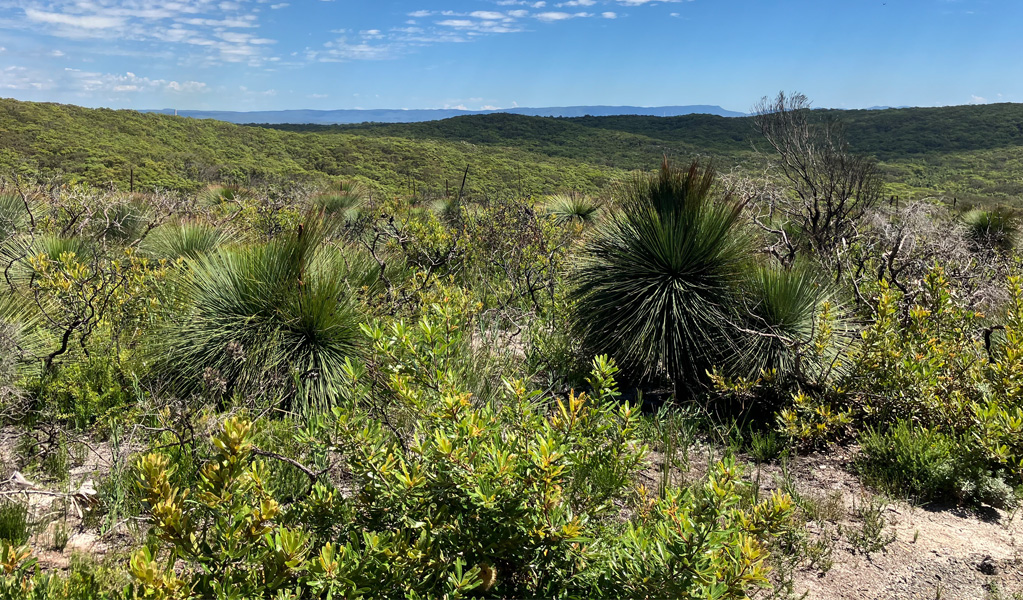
[[279, 54]]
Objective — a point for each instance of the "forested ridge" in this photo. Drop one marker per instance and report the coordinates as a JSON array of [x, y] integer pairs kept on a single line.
[[969, 152]]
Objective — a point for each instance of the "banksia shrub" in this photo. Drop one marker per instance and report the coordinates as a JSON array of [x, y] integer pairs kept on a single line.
[[514, 499]]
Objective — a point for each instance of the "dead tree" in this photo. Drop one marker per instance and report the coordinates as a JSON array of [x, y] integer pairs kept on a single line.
[[831, 187]]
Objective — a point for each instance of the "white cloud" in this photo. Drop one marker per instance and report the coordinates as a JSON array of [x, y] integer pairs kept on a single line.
[[978, 100], [279, 6], [20, 78], [208, 32], [450, 26], [460, 23], [550, 17], [74, 21], [188, 87]]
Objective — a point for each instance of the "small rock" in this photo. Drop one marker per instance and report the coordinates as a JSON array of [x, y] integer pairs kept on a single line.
[[987, 566]]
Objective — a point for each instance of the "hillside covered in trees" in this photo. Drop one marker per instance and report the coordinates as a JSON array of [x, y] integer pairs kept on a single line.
[[968, 152]]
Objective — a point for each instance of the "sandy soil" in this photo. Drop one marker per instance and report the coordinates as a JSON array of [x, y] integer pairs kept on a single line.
[[938, 553]]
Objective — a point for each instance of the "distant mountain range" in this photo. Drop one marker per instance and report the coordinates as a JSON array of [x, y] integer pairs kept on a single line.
[[346, 116]]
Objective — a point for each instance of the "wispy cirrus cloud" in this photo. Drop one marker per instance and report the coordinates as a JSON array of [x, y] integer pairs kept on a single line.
[[84, 83], [205, 31], [426, 27]]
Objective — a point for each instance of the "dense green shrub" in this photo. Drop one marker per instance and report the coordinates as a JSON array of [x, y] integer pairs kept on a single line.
[[521, 498], [14, 522], [929, 465], [946, 369]]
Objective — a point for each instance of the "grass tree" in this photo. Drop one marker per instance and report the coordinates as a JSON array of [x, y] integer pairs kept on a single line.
[[568, 208], [272, 321], [656, 285], [14, 215], [345, 205], [184, 240], [991, 228], [791, 323]]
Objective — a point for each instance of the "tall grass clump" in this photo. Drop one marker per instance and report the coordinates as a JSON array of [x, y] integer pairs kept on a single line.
[[14, 525], [568, 208], [13, 215], [217, 195], [125, 220], [991, 227], [271, 321], [344, 205], [184, 240], [782, 315], [656, 282], [52, 247]]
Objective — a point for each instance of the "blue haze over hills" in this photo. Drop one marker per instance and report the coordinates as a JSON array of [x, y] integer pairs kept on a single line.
[[347, 116]]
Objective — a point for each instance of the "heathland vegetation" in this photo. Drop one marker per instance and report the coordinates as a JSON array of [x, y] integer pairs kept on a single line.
[[967, 152], [339, 364]]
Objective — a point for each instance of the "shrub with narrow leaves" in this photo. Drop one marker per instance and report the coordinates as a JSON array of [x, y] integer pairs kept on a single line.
[[518, 498]]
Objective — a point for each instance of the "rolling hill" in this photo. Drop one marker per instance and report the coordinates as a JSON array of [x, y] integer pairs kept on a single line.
[[972, 152], [330, 117]]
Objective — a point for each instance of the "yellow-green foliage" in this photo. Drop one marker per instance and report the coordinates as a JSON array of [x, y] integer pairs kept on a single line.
[[517, 498], [944, 368], [926, 367]]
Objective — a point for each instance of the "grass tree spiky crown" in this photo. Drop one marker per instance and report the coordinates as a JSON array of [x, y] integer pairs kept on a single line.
[[273, 319], [657, 277]]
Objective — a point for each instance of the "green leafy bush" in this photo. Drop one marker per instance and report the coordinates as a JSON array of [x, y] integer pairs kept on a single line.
[[910, 460], [522, 497], [961, 389], [929, 465]]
